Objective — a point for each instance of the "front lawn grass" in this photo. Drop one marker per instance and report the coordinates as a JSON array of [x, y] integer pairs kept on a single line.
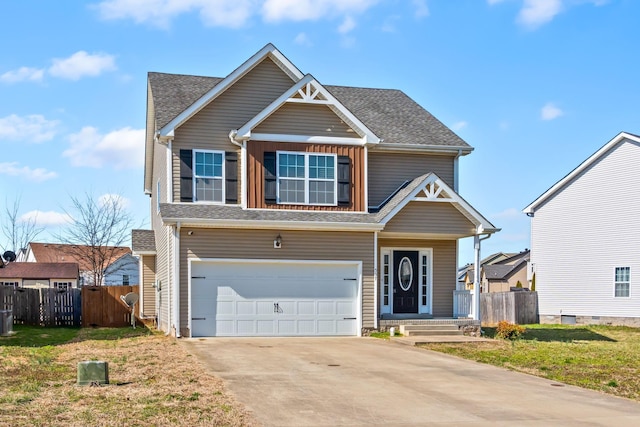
[[604, 358], [153, 380]]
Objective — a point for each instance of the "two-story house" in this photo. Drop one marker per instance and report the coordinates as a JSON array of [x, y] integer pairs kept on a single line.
[[281, 206]]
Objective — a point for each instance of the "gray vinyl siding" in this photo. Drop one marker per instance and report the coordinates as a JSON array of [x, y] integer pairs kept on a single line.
[[209, 128], [301, 119], [387, 171], [147, 281], [444, 269], [431, 218], [296, 245], [586, 230]]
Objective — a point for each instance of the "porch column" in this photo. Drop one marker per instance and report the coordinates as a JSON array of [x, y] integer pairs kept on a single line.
[[475, 306]]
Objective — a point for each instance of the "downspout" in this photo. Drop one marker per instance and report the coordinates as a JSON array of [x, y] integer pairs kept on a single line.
[[476, 272], [243, 166], [376, 303], [176, 280]]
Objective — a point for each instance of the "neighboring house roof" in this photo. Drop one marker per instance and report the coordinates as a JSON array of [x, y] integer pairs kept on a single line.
[[506, 267], [39, 270], [234, 215], [143, 241], [558, 186], [57, 252]]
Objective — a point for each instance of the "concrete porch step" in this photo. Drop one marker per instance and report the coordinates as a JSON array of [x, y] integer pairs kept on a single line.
[[406, 328], [430, 333]]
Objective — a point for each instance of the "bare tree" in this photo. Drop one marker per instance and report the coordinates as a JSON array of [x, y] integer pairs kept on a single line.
[[96, 232], [18, 232]]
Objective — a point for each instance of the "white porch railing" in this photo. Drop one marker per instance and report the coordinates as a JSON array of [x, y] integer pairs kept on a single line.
[[462, 303]]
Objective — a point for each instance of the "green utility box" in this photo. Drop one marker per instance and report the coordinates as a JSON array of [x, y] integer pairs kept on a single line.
[[93, 372]]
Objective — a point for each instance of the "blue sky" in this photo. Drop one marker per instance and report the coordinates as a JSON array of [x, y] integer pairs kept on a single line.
[[536, 86]]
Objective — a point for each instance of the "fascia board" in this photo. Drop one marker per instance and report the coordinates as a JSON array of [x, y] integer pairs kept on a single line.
[[282, 225], [306, 139], [435, 149], [268, 50], [578, 170]]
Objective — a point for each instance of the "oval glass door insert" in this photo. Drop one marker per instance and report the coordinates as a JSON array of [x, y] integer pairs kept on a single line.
[[405, 273]]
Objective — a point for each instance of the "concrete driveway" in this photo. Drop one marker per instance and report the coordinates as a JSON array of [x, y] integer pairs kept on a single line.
[[367, 381]]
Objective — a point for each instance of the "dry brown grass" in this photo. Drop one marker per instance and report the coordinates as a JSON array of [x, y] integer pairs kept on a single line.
[[153, 382]]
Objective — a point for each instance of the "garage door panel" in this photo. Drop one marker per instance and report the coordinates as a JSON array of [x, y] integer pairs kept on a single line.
[[253, 299]]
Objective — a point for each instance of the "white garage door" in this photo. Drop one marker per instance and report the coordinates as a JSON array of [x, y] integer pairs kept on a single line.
[[249, 298]]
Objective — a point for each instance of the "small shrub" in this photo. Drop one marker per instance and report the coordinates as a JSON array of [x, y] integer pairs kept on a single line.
[[509, 331], [533, 283], [519, 284]]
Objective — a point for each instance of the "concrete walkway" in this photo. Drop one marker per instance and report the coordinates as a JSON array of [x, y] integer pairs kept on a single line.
[[368, 382]]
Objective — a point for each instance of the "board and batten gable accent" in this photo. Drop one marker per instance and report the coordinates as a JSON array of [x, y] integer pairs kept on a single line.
[[388, 171], [431, 218], [303, 119], [296, 245], [256, 174], [444, 269], [583, 232], [209, 128]]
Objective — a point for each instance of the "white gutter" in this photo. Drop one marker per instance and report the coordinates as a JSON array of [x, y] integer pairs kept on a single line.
[[232, 137], [285, 225], [176, 280], [437, 149]]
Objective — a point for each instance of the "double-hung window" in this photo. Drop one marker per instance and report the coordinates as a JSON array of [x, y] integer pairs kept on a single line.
[[208, 176], [307, 178], [622, 282]]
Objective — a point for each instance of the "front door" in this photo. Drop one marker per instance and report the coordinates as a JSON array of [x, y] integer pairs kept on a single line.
[[405, 282]]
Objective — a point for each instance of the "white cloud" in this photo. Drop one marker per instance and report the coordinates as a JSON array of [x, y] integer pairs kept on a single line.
[[303, 40], [82, 64], [550, 112], [120, 149], [459, 125], [25, 172], [309, 10], [33, 128], [422, 10], [48, 218], [22, 74], [535, 13], [110, 198], [347, 25]]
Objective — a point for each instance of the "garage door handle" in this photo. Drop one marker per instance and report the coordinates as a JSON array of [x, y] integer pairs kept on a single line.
[[198, 318], [198, 277], [346, 278], [349, 318]]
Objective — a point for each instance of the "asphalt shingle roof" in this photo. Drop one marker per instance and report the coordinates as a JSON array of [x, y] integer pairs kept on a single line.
[[143, 240], [39, 270], [62, 253], [389, 113]]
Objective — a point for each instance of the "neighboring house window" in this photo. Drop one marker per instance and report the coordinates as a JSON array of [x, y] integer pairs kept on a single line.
[[125, 279], [81, 281], [208, 176], [63, 286], [14, 284], [307, 179], [622, 283]]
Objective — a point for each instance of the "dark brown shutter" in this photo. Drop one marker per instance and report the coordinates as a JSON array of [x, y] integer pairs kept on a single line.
[[344, 181], [231, 176], [186, 176], [270, 189]]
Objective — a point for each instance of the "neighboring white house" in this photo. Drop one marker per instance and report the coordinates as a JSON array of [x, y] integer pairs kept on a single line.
[[585, 239]]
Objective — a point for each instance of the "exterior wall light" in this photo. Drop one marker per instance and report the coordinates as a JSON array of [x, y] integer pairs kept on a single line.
[[277, 243]]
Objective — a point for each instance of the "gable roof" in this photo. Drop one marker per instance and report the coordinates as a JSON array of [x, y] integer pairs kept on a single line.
[[40, 270], [558, 186], [309, 90], [61, 253]]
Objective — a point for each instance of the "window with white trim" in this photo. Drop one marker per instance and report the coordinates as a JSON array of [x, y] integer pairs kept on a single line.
[[208, 176], [306, 178], [622, 282], [63, 286], [14, 284]]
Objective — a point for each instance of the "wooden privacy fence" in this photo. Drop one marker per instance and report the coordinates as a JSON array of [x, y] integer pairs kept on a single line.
[[514, 307], [102, 306], [46, 306]]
